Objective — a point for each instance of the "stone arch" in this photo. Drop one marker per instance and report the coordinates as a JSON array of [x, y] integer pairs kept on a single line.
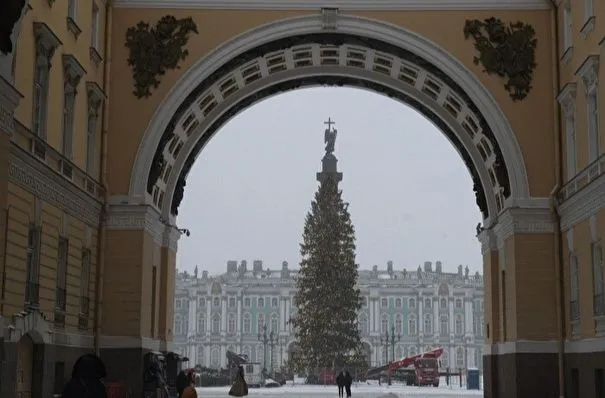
[[261, 63], [32, 324]]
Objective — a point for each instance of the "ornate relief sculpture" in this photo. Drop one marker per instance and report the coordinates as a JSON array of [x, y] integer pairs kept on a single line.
[[153, 50], [505, 50]]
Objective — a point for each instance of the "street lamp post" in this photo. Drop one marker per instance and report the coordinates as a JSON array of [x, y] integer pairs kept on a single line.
[[390, 340], [266, 339]]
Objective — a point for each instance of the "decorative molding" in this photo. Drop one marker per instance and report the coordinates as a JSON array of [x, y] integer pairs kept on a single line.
[[154, 50], [567, 55], [589, 73], [588, 26], [29, 322], [9, 100], [507, 50], [377, 5], [37, 178], [73, 27], [514, 221], [72, 71], [522, 347], [305, 25], [584, 203], [583, 346], [135, 218], [567, 99], [488, 241], [95, 56], [170, 237], [95, 95], [46, 42], [329, 18]]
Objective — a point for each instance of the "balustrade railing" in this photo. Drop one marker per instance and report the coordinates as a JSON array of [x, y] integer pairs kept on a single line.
[[583, 178]]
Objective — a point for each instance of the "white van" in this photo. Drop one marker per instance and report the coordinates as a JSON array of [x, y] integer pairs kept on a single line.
[[253, 373]]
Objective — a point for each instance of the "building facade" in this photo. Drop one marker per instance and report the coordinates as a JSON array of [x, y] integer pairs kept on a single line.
[[425, 308], [90, 194]]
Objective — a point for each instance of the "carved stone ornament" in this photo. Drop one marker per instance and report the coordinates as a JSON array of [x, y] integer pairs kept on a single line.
[[10, 12], [505, 50], [154, 50]]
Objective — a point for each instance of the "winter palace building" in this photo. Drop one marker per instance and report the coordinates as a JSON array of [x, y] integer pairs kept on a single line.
[[427, 307]]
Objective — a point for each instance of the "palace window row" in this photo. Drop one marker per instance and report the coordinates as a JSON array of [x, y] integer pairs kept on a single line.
[[444, 326], [428, 303]]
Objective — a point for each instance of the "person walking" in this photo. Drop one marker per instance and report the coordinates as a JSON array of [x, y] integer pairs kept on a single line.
[[86, 379], [189, 391], [239, 387], [340, 382], [348, 382]]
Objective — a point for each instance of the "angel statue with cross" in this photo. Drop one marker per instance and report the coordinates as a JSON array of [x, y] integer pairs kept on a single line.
[[330, 136]]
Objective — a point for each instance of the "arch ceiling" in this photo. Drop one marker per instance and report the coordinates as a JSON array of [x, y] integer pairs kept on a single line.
[[299, 53]]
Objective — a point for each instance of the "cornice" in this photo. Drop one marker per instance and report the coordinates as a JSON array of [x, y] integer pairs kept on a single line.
[[35, 177], [515, 221], [583, 204], [353, 5], [135, 218]]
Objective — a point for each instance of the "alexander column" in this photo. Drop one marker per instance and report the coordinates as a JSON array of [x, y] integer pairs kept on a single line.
[[329, 161]]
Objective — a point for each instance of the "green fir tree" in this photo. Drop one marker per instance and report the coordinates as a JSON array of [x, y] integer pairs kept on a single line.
[[327, 297]]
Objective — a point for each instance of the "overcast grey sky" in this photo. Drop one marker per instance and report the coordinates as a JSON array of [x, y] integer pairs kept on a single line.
[[410, 194]]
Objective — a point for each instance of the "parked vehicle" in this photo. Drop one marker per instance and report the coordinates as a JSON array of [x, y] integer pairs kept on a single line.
[[417, 370]]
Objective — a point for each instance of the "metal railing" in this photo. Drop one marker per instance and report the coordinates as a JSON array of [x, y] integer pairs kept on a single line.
[[587, 175]]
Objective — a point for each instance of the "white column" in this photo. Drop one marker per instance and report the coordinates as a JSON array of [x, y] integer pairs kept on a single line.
[[223, 358], [208, 315], [371, 314], [471, 358], [282, 314], [192, 315], [239, 314], [420, 316], [376, 314], [451, 307], [287, 305], [223, 314], [436, 322], [468, 317], [206, 356]]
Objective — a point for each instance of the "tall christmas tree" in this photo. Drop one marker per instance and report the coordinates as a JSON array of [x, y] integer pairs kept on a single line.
[[327, 296]]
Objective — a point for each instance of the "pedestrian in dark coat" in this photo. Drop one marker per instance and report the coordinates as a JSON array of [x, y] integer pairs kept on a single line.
[[240, 387], [181, 383], [348, 382], [340, 382], [86, 378]]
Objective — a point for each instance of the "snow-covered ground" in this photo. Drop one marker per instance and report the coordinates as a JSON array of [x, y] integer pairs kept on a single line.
[[358, 391]]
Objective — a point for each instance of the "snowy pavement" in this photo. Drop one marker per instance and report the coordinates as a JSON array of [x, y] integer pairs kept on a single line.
[[360, 391]]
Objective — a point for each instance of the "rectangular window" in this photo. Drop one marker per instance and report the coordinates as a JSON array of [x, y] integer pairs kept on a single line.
[[61, 289], [593, 127], [94, 32], [597, 275], [32, 287], [570, 130], [69, 99], [588, 10], [85, 289], [567, 26], [72, 9], [39, 99], [574, 293]]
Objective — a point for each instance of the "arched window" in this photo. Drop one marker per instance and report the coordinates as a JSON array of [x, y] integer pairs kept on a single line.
[[274, 323], [201, 323], [215, 361], [247, 352], [459, 324], [458, 303], [459, 357], [217, 302], [445, 359], [444, 327], [398, 352], [261, 302], [231, 323], [232, 302], [260, 322], [412, 325], [202, 302], [200, 356], [399, 324], [177, 325], [428, 324], [443, 304], [412, 303], [384, 323], [398, 302], [363, 324], [216, 323], [247, 323], [427, 303]]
